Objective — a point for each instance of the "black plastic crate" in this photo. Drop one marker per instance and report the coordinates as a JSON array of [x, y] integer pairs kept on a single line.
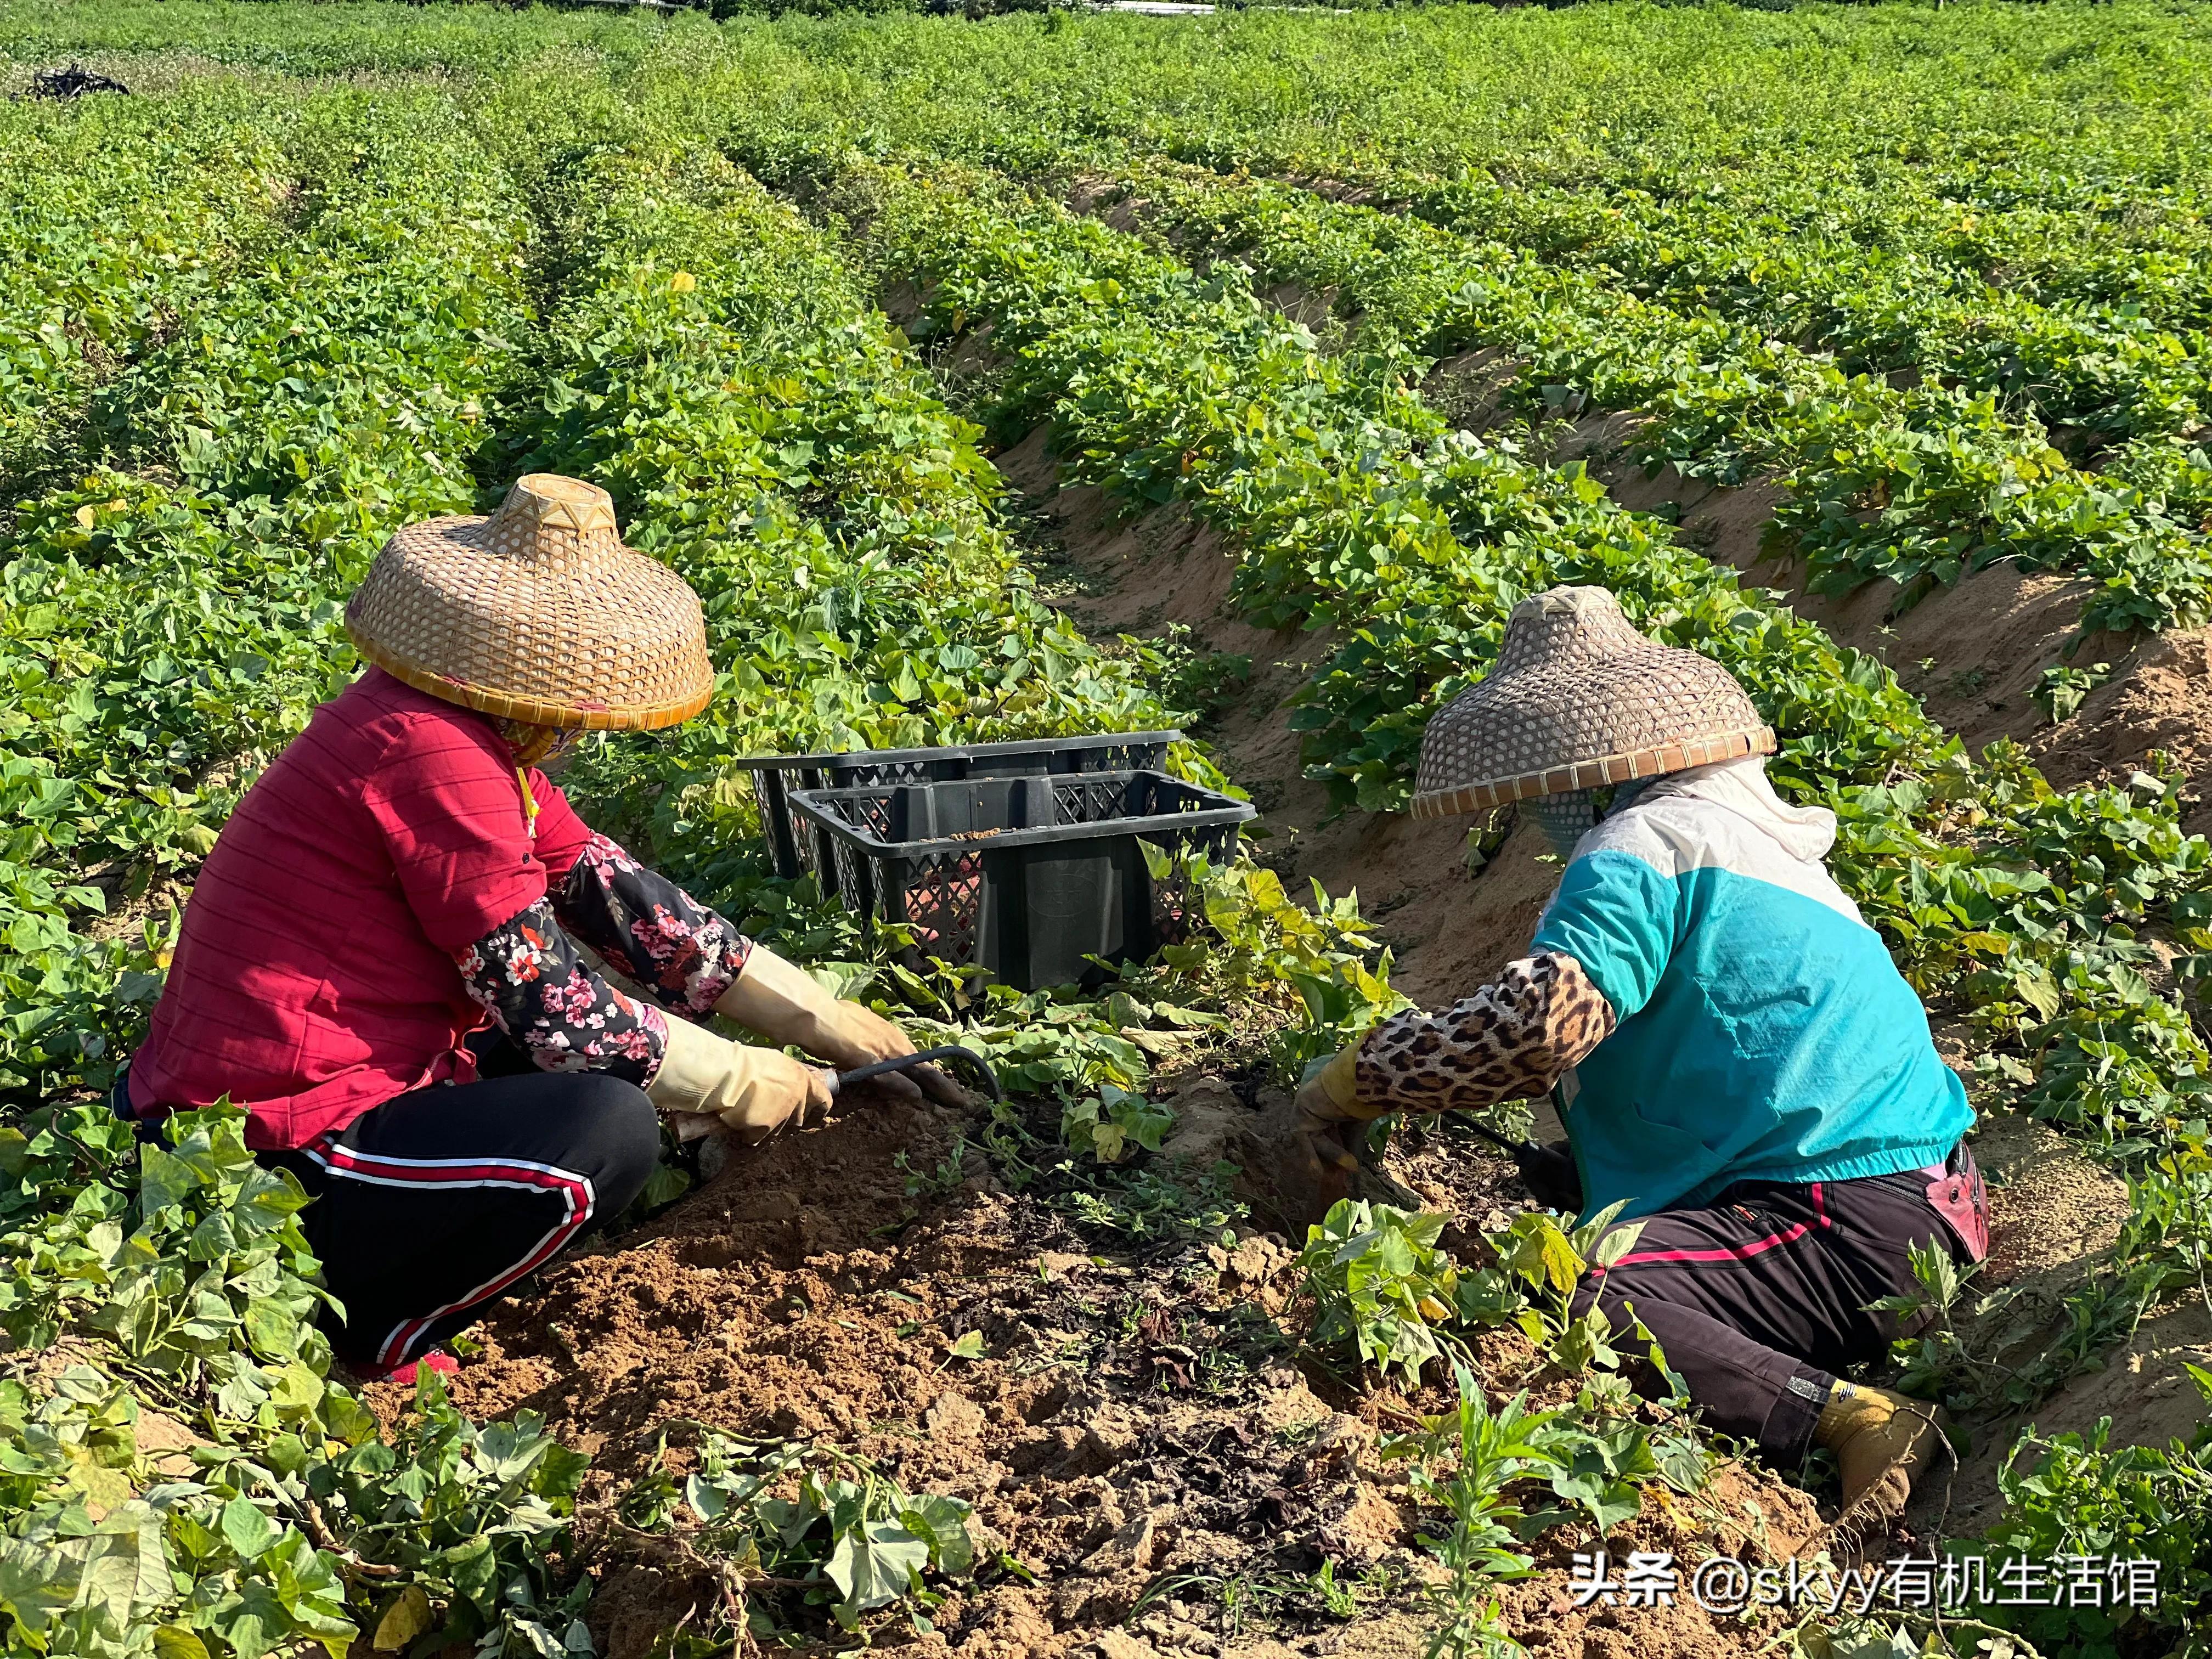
[[1026, 878], [796, 846]]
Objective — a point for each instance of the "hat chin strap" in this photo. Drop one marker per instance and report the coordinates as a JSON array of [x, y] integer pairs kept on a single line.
[[531, 745]]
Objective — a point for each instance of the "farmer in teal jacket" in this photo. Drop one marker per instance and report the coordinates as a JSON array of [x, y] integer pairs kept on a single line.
[[1740, 1064]]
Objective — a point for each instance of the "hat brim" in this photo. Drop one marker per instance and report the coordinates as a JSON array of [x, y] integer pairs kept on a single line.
[[534, 622], [1597, 772], [534, 711]]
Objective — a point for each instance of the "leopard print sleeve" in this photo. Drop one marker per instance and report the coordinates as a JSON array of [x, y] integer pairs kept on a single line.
[[1510, 1041]]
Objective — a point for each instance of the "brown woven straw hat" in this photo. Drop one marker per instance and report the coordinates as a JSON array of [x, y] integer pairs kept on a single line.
[[538, 613], [1576, 699]]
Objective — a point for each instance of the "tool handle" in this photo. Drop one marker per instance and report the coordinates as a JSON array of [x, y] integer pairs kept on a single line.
[[1504, 1143], [921, 1057]]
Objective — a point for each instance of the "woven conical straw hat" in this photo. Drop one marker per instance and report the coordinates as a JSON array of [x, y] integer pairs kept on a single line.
[[1578, 698], [538, 613]]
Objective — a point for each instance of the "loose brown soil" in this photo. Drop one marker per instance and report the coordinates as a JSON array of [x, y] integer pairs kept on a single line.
[[1136, 1419]]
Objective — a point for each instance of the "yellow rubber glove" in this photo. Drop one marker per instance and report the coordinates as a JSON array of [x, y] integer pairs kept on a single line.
[[785, 1004], [1327, 1101], [752, 1092]]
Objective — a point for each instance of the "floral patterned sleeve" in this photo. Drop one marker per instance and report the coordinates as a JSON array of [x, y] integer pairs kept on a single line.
[[528, 976], [649, 929]]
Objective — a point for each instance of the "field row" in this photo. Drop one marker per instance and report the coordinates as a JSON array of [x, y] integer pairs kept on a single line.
[[1999, 358]]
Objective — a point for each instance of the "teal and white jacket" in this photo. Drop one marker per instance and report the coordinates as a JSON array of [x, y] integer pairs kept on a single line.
[[1758, 1029], [1762, 1031]]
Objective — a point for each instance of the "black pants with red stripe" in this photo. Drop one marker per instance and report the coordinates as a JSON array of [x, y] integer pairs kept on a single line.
[[1761, 1298], [435, 1202]]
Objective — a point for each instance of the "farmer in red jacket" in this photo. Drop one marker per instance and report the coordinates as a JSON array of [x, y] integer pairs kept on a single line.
[[380, 962]]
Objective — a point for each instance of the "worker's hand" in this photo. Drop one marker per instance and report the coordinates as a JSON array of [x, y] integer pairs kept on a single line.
[[1323, 1141], [751, 1091], [785, 1004], [1329, 1113], [1550, 1174], [852, 1035]]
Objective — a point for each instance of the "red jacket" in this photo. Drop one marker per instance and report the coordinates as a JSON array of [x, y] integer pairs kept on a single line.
[[315, 978]]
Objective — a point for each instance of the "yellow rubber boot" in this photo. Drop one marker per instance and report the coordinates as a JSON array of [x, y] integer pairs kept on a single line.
[[1883, 1443]]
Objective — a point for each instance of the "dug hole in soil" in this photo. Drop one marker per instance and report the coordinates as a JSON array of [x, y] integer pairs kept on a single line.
[[1142, 1418]]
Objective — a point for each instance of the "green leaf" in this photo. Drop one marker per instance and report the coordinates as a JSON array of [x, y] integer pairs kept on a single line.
[[273, 1328], [1683, 1462], [873, 1565], [942, 1522], [665, 1186], [100, 1488], [1616, 1243], [39, 1583], [246, 1529], [968, 1346]]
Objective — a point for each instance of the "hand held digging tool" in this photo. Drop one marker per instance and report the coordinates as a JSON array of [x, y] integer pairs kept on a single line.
[[949, 1051]]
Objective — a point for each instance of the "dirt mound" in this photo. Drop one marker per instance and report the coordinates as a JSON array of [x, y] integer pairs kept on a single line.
[[1125, 1422], [2054, 1214], [2161, 700]]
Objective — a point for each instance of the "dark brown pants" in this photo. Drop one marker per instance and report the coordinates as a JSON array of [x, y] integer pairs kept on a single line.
[[1759, 1299]]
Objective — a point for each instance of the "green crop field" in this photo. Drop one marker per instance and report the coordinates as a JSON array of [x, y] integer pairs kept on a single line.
[[1398, 317]]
